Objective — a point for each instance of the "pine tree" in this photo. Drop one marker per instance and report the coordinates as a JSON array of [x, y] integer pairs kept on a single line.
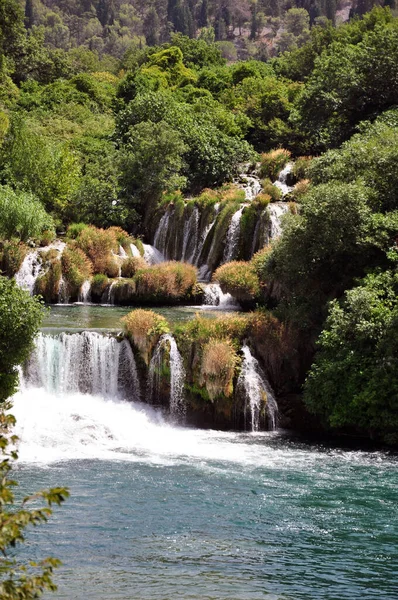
[[203, 17], [29, 14], [151, 27]]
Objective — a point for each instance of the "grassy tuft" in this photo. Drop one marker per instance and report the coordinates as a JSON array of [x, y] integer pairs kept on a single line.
[[217, 370], [273, 162], [239, 279], [144, 328], [130, 266]]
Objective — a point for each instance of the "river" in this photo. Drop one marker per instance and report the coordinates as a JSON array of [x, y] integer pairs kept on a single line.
[[159, 511]]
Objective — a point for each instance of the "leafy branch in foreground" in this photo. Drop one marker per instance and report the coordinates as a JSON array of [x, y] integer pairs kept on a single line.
[[20, 581]]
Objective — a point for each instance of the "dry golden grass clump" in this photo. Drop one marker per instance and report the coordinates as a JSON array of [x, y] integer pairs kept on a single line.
[[218, 366], [12, 254], [144, 328], [300, 189], [130, 266], [76, 268], [273, 162], [167, 280], [239, 279], [98, 245]]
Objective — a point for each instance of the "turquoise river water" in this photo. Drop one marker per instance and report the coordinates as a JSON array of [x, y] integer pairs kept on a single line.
[[161, 512]]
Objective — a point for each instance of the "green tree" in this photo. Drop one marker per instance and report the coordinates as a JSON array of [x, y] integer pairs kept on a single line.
[[150, 163], [353, 381]]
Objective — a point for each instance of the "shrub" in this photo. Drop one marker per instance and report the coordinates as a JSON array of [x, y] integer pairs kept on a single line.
[[22, 215], [98, 244], [76, 268], [47, 237], [11, 257], [47, 284], [239, 279], [271, 190], [207, 197], [144, 328], [231, 193], [99, 283], [300, 189], [75, 229], [273, 162], [169, 280], [262, 200], [301, 167], [130, 266], [121, 237], [218, 367]]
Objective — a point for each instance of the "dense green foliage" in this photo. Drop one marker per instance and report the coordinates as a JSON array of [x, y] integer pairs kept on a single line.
[[20, 318]]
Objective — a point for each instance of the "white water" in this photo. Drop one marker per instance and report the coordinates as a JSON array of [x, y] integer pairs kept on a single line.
[[152, 255], [233, 234], [215, 297], [177, 375], [257, 391], [122, 252], [108, 297], [32, 266], [281, 181], [135, 253], [250, 184], [276, 211], [85, 292], [85, 362], [160, 238], [190, 238]]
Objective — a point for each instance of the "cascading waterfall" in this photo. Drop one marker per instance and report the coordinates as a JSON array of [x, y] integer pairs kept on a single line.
[[233, 236], [108, 297], [256, 389], [152, 255], [160, 238], [177, 375], [250, 184], [190, 238], [215, 297], [281, 181], [122, 252], [85, 292], [87, 363], [32, 266], [135, 253], [276, 212]]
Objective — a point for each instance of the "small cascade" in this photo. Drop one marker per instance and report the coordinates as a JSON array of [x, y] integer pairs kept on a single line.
[[87, 363], [281, 181], [32, 266], [135, 253], [122, 252], [190, 237], [108, 297], [232, 240], [177, 375], [29, 271], [250, 184], [152, 255], [85, 292], [276, 211], [215, 297], [160, 238], [63, 292], [256, 389]]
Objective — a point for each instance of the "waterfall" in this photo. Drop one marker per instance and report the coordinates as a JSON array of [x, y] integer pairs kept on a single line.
[[190, 236], [122, 252], [152, 255], [256, 389], [215, 297], [233, 237], [32, 266], [281, 181], [250, 184], [88, 363], [63, 292], [84, 293], [276, 211], [135, 253], [177, 375], [160, 238], [108, 297]]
